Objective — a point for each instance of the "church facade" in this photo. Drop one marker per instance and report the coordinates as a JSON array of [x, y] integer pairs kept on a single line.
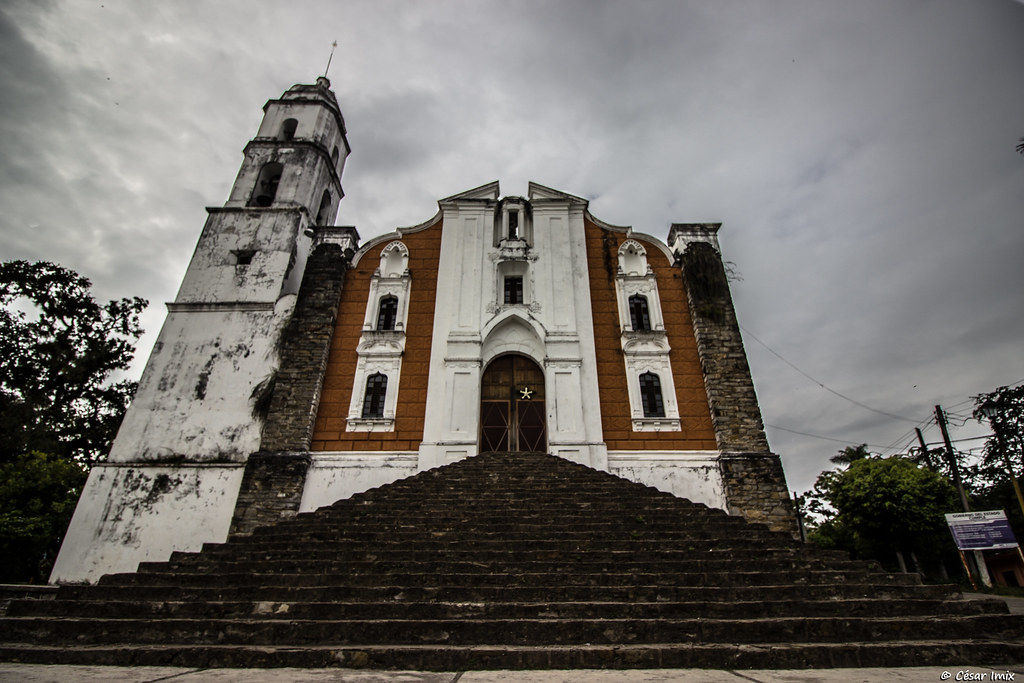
[[297, 367]]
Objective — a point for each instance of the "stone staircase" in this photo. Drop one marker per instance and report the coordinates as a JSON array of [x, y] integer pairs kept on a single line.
[[512, 561]]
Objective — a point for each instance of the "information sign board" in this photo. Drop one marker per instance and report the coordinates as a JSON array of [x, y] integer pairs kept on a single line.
[[988, 530]]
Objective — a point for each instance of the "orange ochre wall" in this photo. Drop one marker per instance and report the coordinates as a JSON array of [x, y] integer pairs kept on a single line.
[[329, 431], [424, 255], [694, 415]]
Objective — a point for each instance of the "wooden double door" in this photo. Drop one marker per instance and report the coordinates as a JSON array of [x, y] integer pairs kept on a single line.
[[512, 415]]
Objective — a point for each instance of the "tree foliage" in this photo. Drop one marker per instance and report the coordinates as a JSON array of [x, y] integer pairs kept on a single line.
[[882, 507], [38, 493], [60, 403], [850, 455], [1008, 423], [59, 352]]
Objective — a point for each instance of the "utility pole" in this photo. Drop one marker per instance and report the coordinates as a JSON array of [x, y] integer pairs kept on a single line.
[[924, 449], [940, 417], [979, 556]]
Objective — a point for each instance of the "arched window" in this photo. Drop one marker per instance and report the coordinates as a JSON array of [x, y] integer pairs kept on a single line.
[[266, 184], [513, 290], [639, 316], [288, 129], [650, 395], [325, 208], [373, 399], [387, 314], [334, 157]]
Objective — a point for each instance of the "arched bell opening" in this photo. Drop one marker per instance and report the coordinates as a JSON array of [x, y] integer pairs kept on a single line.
[[512, 414], [265, 190]]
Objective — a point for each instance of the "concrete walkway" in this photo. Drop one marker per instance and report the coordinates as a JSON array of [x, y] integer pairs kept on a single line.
[[41, 673]]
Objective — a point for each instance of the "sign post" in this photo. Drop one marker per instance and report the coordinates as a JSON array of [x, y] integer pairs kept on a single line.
[[983, 530]]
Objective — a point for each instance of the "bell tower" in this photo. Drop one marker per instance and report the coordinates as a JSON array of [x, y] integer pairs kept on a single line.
[[199, 409], [218, 348]]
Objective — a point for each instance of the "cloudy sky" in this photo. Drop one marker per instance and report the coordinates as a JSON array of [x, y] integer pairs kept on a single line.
[[860, 156]]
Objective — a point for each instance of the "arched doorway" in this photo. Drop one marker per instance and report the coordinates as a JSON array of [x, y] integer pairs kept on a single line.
[[512, 412]]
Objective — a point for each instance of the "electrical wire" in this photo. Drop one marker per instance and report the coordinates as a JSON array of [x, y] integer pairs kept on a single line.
[[912, 432], [817, 436], [972, 398], [822, 385]]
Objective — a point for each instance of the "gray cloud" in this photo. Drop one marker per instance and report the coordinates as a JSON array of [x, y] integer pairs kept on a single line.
[[860, 156]]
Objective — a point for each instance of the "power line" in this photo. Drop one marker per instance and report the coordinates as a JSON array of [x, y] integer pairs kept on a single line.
[[911, 433], [817, 436], [969, 438], [971, 399], [822, 385]]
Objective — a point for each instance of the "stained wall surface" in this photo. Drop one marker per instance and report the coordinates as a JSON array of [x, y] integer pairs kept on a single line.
[[695, 417], [139, 513]]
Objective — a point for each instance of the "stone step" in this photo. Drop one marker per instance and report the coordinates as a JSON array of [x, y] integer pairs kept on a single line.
[[510, 566], [443, 543], [506, 561], [566, 592], [511, 532], [535, 499], [618, 656], [354, 632], [429, 657], [492, 609], [513, 577], [527, 510], [510, 518], [492, 552]]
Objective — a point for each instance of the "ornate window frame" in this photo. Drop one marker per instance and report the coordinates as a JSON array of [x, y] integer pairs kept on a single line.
[[371, 393], [392, 278], [381, 351], [644, 350]]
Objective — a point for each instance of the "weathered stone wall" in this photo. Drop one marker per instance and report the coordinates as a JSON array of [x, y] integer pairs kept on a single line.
[[755, 485], [305, 348], [271, 490], [735, 414], [272, 486]]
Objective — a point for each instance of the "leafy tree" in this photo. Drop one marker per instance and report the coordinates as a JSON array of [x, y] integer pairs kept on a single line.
[[38, 493], [1008, 422], [59, 352], [883, 508], [850, 455], [60, 404]]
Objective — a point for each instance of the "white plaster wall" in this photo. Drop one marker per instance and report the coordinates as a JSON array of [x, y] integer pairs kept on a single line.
[[132, 514], [451, 426], [213, 274], [693, 475], [554, 327], [574, 411], [336, 476], [195, 399]]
